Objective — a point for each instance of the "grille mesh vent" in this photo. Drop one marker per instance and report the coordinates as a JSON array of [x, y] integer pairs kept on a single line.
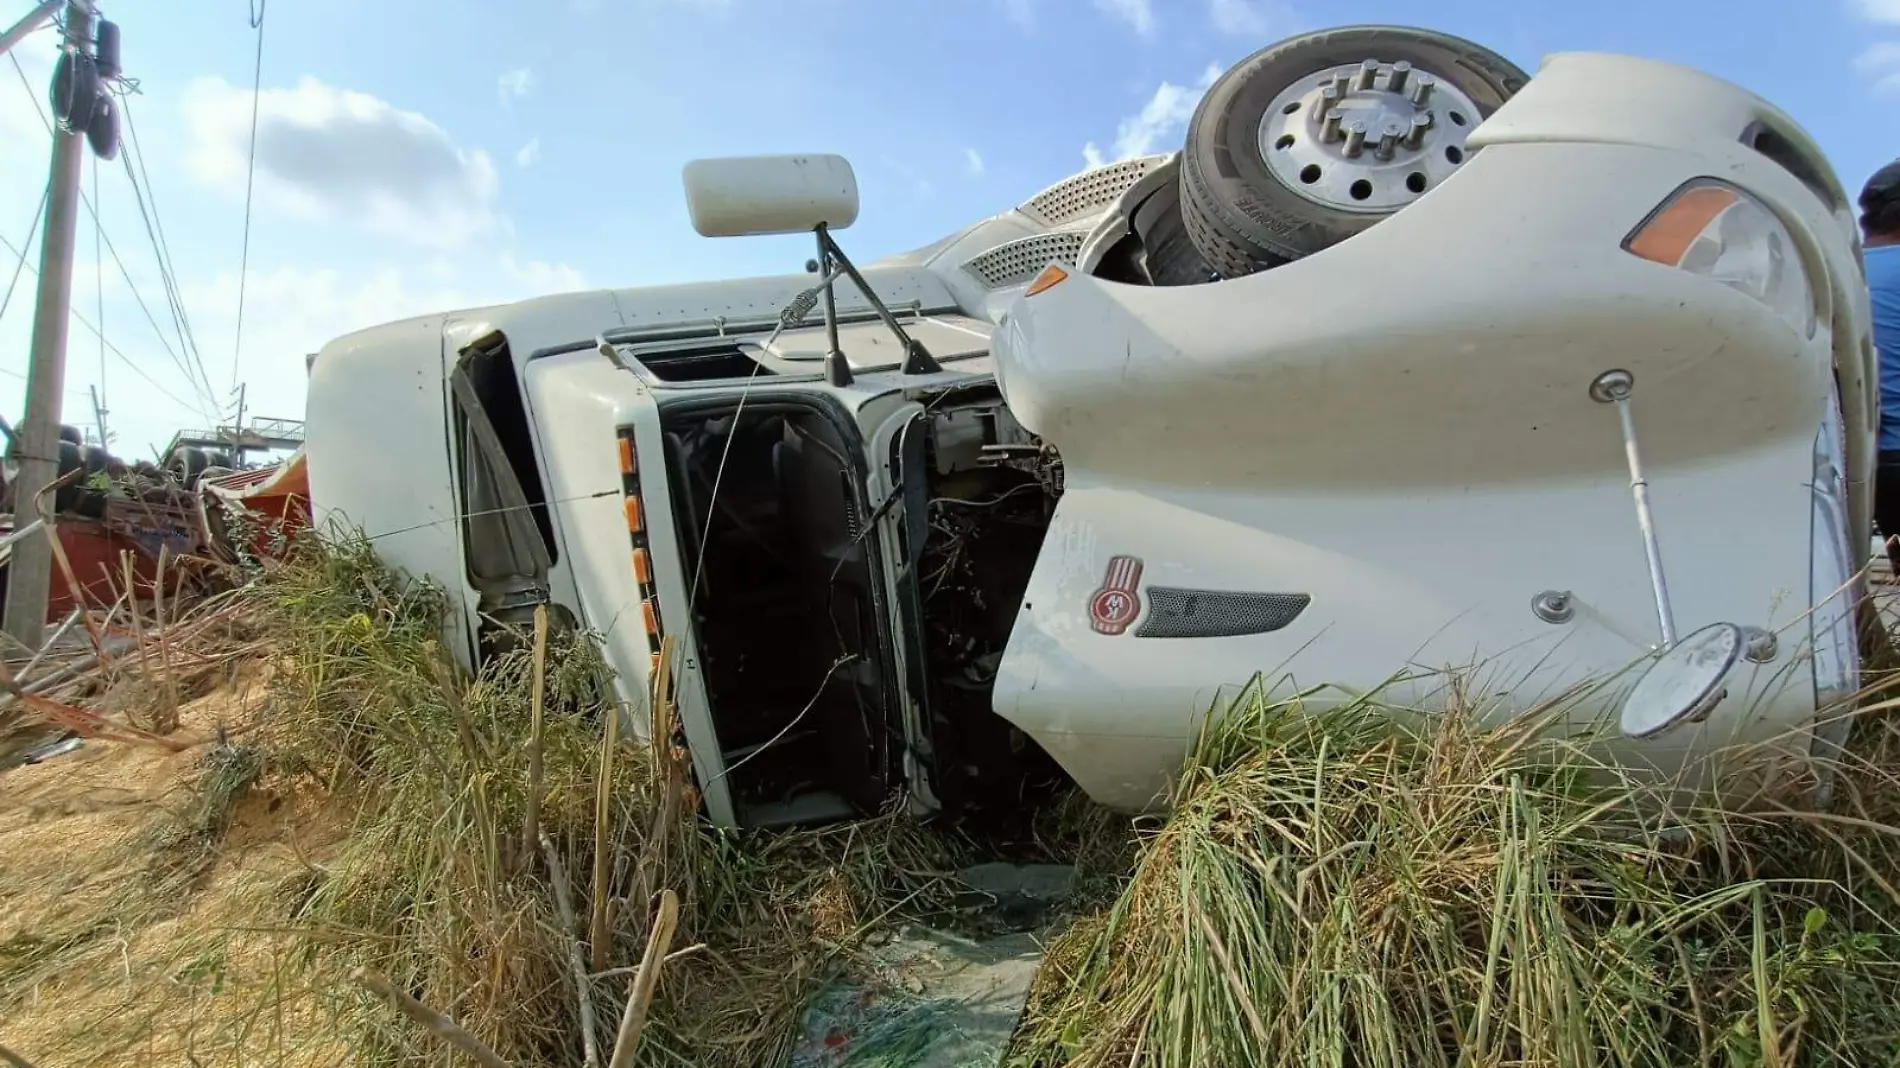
[[1018, 261], [1089, 191], [1179, 613]]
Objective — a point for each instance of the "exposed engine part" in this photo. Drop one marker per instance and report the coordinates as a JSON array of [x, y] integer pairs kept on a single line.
[[989, 507], [1041, 460]]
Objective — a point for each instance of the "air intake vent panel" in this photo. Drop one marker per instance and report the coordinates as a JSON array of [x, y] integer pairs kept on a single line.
[[1088, 192], [1018, 261]]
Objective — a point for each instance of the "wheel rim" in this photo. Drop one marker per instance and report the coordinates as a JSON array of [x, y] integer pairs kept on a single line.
[[1366, 137]]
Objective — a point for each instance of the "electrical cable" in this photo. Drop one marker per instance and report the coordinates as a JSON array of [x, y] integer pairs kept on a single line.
[[203, 389], [146, 197], [20, 264], [993, 501], [110, 347], [250, 175], [795, 720]]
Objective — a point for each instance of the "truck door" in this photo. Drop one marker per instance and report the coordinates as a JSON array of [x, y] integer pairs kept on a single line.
[[507, 537], [783, 593]]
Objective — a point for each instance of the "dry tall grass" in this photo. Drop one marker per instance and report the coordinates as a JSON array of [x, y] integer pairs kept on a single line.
[[435, 891], [1328, 892], [428, 881]]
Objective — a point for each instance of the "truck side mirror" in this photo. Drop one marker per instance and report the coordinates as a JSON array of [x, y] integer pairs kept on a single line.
[[739, 196]]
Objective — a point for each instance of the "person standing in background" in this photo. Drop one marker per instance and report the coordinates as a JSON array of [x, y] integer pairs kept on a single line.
[[1880, 225]]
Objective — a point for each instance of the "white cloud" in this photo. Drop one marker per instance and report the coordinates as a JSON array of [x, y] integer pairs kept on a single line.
[[1250, 18], [515, 83], [1878, 57], [1020, 12], [533, 278], [1157, 124], [1878, 10], [973, 163], [1138, 14], [327, 153], [529, 154], [292, 311], [1880, 65]]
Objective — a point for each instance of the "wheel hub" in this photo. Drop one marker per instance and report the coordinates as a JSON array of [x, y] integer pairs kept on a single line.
[[1366, 137]]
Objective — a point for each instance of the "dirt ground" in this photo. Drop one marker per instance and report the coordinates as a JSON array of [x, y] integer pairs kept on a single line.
[[127, 938]]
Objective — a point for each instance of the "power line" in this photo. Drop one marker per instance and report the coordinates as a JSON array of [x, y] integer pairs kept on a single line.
[[11, 373], [114, 349], [250, 174], [20, 265], [200, 384], [144, 193]]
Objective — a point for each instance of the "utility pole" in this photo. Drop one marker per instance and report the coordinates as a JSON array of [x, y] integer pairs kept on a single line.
[[99, 417], [237, 438], [33, 21], [30, 572]]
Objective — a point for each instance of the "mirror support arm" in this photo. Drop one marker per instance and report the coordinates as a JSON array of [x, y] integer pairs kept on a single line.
[[837, 368], [917, 359]]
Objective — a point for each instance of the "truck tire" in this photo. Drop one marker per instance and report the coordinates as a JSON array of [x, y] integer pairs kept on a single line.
[[102, 132], [1169, 257], [186, 464], [1266, 177], [71, 458], [75, 90], [72, 434]]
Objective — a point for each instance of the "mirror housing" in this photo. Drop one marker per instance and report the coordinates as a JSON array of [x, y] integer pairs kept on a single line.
[[740, 196]]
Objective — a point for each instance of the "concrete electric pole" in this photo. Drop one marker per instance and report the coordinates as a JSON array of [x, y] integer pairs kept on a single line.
[[37, 444]]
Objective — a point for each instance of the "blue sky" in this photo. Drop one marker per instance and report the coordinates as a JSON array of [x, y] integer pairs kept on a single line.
[[416, 155]]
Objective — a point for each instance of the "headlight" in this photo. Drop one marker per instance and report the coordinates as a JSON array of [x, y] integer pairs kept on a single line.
[[1727, 236]]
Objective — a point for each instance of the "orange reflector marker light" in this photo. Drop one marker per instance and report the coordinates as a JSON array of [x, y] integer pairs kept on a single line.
[[635, 518], [650, 616], [642, 567], [626, 456], [1051, 275], [1665, 238]]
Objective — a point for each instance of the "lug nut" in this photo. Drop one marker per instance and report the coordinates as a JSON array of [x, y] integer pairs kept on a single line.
[[1329, 99], [1395, 82], [1329, 125], [1389, 140], [1422, 90], [1355, 138], [1421, 125], [1342, 82], [1368, 73]]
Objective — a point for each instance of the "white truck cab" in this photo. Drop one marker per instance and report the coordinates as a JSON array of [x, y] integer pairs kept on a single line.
[[1035, 499], [678, 462]]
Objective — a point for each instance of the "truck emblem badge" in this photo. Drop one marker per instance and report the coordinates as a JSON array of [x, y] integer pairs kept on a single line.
[[1116, 604]]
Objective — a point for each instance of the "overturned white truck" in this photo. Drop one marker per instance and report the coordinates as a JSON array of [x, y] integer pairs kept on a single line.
[[1032, 497]]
